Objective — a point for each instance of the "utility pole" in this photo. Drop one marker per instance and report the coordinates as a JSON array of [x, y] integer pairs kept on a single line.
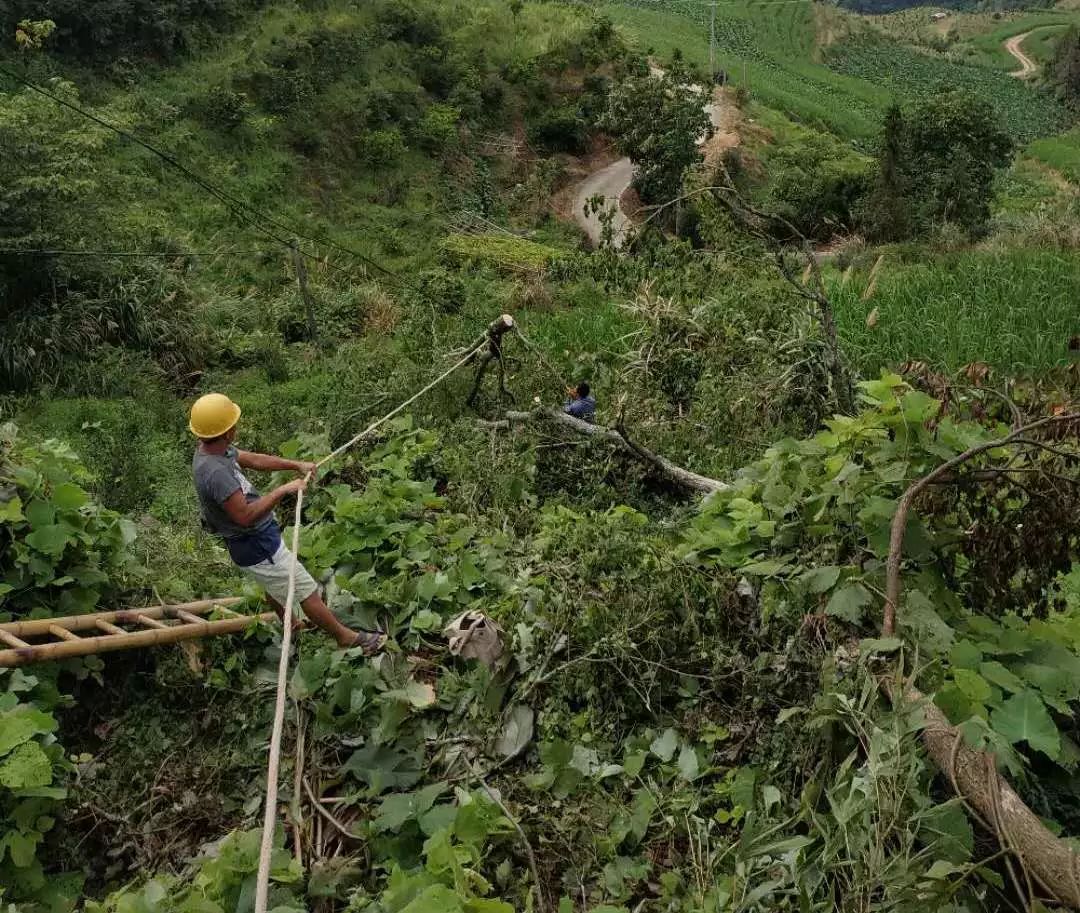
[[305, 294], [712, 43]]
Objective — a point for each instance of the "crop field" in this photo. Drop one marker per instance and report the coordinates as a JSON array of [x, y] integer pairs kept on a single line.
[[969, 307], [768, 46], [1026, 111], [1046, 28], [772, 48], [977, 38]]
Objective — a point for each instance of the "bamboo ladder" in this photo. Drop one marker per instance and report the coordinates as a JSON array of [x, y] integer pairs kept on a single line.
[[152, 627]]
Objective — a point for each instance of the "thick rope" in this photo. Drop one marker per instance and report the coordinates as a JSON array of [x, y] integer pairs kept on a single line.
[[262, 885]]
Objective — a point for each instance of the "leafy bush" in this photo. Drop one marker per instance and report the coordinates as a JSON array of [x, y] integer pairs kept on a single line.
[[100, 30], [33, 769], [59, 554], [219, 879], [61, 551], [382, 148], [437, 131], [559, 130], [221, 107], [831, 560], [817, 184]]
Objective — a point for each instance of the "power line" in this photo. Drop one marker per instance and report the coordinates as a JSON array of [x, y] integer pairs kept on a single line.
[[239, 207]]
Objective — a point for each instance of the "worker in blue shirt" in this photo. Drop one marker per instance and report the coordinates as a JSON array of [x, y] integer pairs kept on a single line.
[[580, 404]]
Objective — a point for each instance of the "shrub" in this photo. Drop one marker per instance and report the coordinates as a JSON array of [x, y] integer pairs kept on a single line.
[[559, 130], [221, 107], [442, 288], [437, 130], [382, 148], [60, 550]]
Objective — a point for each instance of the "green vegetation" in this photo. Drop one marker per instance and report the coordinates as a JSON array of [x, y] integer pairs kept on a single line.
[[963, 308], [1027, 112], [692, 711], [768, 48], [1061, 153], [657, 123]]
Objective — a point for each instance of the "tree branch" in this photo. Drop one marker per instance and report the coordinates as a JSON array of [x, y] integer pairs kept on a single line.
[[973, 773], [684, 478], [899, 523]]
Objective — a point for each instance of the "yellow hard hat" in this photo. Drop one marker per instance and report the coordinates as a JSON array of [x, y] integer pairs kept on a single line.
[[213, 415]]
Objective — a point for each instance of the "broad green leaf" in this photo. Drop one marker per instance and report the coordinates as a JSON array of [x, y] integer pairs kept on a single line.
[[946, 832], [11, 510], [1024, 718], [22, 847], [919, 615], [633, 762], [26, 767], [22, 724], [435, 899], [919, 407], [487, 905], [965, 655], [848, 602], [972, 685], [997, 674], [438, 818], [40, 513], [820, 579], [953, 703], [870, 645], [663, 746], [69, 496], [394, 811], [764, 568], [742, 787], [50, 540]]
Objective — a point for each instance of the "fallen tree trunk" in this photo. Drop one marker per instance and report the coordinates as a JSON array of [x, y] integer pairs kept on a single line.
[[684, 478], [1042, 856], [974, 777]]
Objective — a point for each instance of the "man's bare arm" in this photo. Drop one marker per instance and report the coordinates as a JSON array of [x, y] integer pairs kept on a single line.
[[247, 513], [264, 462]]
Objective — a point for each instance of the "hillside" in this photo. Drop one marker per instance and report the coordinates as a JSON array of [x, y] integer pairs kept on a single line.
[[793, 624]]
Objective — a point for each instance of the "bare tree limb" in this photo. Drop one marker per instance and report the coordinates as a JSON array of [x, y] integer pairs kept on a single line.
[[684, 478], [899, 523]]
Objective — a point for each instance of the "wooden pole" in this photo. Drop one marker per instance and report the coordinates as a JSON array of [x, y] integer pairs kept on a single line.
[[129, 640], [39, 627], [305, 294]]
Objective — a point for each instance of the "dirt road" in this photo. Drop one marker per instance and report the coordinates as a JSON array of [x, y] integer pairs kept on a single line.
[[609, 182], [1027, 66], [612, 181]]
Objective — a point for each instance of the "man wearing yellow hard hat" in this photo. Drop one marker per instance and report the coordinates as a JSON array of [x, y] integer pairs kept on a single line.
[[234, 510]]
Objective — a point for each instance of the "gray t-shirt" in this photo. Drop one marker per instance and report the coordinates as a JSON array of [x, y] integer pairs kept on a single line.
[[217, 478]]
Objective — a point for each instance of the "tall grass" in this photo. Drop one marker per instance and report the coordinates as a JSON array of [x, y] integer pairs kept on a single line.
[[1016, 311], [1061, 153]]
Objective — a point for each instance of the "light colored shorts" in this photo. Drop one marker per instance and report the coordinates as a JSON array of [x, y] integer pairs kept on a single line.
[[273, 576]]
